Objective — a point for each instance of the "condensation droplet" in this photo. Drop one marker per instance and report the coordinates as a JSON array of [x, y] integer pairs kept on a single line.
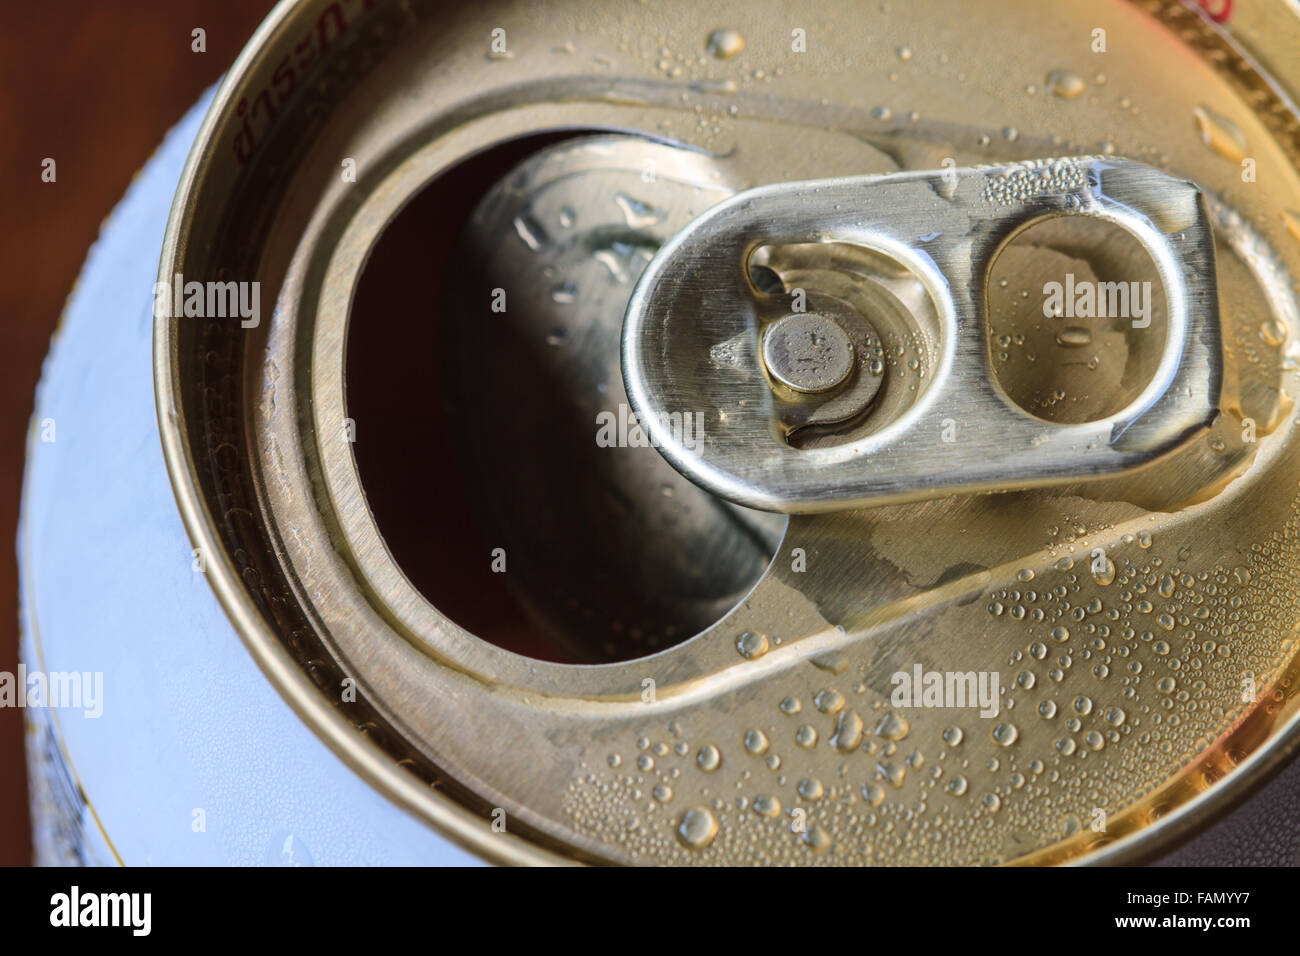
[[1005, 734], [725, 44], [1065, 84], [1074, 337], [697, 829], [892, 727], [810, 788], [756, 743], [709, 758], [1220, 134], [752, 644]]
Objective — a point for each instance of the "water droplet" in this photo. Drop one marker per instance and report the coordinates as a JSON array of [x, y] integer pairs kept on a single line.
[[286, 849], [528, 231], [1074, 337], [697, 829], [952, 736], [791, 705], [893, 773], [621, 259], [1103, 570], [1004, 735], [1060, 634], [767, 806], [829, 701], [1220, 134], [848, 732], [957, 786], [1065, 84], [810, 788], [638, 214], [806, 736], [662, 792], [708, 758], [1272, 332], [756, 743], [892, 727], [752, 644], [831, 661], [817, 839], [873, 793], [725, 44], [1047, 708]]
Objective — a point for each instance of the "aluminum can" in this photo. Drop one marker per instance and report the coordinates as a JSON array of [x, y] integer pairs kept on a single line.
[[504, 435]]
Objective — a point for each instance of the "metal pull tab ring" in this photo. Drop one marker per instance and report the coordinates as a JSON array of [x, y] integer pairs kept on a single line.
[[702, 341]]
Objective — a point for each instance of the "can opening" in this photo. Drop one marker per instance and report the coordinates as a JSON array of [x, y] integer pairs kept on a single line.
[[1077, 318], [405, 451], [476, 386]]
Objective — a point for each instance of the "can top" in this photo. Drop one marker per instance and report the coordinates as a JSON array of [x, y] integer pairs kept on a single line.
[[1124, 647]]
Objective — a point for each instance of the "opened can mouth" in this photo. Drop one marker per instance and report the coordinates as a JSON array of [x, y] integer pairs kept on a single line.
[[539, 502]]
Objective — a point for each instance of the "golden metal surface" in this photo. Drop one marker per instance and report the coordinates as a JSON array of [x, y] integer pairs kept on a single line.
[[1197, 583]]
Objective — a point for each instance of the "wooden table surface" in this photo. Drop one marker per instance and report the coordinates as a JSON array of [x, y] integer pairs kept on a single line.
[[95, 86]]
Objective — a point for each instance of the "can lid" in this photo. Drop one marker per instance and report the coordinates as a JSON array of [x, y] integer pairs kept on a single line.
[[1105, 628]]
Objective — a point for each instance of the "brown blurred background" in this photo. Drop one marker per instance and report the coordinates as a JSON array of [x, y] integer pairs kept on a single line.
[[95, 86]]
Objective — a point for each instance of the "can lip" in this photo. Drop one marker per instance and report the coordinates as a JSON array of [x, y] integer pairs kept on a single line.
[[443, 812], [447, 816], [1198, 816]]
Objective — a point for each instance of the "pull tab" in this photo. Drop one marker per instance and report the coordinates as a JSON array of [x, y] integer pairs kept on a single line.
[[704, 333]]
